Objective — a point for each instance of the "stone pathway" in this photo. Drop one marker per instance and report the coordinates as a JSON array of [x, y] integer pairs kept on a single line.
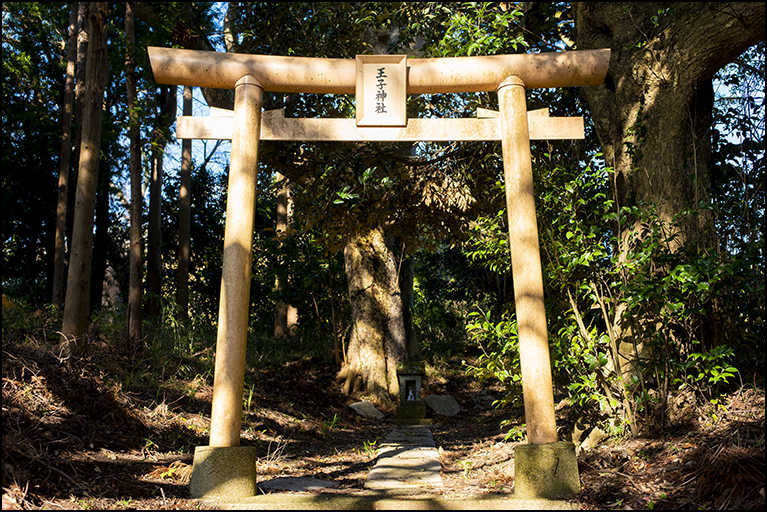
[[407, 460], [405, 477]]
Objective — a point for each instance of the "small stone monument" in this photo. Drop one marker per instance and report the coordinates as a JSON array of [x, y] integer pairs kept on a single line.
[[411, 411]]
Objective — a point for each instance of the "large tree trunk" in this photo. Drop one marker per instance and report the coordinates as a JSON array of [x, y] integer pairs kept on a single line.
[[77, 304], [166, 111], [184, 219], [653, 113], [101, 240], [378, 332], [379, 339], [137, 200], [66, 149]]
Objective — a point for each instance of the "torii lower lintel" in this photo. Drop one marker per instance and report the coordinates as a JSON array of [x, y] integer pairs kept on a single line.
[[275, 126]]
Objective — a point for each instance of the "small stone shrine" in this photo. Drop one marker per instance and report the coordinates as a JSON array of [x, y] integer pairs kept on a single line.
[[412, 410]]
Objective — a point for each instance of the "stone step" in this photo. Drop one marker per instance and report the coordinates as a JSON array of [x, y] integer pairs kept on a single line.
[[407, 460]]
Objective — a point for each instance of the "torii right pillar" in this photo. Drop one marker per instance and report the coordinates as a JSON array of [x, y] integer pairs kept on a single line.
[[544, 468]]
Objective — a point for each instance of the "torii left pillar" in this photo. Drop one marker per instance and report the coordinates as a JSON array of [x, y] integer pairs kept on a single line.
[[224, 468], [544, 468]]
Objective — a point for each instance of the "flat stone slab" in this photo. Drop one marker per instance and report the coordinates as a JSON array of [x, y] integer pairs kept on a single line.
[[408, 452], [384, 501], [413, 435], [405, 474], [445, 405], [407, 459], [366, 409], [296, 484]]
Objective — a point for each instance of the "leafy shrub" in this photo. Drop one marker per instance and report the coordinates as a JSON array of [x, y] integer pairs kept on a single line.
[[500, 354], [631, 313]]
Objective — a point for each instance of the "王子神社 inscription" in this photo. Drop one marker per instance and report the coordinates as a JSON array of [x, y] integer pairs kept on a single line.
[[381, 93]]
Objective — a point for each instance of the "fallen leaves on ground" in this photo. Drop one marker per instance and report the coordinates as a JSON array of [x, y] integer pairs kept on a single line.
[[81, 436]]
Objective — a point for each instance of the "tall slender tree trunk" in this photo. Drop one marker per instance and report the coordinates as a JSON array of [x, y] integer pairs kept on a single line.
[[77, 303], [406, 277], [66, 149], [184, 219], [137, 200], [166, 110], [82, 53], [286, 315], [100, 251], [101, 240], [154, 250], [377, 341]]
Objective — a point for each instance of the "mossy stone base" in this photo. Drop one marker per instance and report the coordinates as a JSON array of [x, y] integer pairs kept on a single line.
[[411, 411], [223, 472], [422, 421], [411, 368], [547, 471]]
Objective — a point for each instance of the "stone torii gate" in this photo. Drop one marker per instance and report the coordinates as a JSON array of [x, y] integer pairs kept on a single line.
[[382, 83]]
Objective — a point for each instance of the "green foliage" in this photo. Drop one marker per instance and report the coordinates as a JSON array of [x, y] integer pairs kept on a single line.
[[516, 433], [480, 28], [369, 448], [642, 291], [500, 354], [703, 370], [444, 288], [33, 63], [671, 297], [489, 245], [208, 212], [738, 164], [327, 426], [581, 363]]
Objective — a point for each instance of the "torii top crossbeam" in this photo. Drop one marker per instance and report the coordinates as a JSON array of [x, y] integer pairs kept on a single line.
[[338, 76]]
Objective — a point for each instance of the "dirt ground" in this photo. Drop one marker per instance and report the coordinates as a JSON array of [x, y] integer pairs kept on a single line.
[[85, 437]]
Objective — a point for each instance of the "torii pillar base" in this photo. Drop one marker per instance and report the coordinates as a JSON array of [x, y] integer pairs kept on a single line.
[[223, 472], [546, 471]]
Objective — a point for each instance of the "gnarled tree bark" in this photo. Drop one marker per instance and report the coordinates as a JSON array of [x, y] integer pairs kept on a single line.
[[377, 341], [653, 113]]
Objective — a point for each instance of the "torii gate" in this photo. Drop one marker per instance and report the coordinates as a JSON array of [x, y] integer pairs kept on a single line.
[[382, 83]]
